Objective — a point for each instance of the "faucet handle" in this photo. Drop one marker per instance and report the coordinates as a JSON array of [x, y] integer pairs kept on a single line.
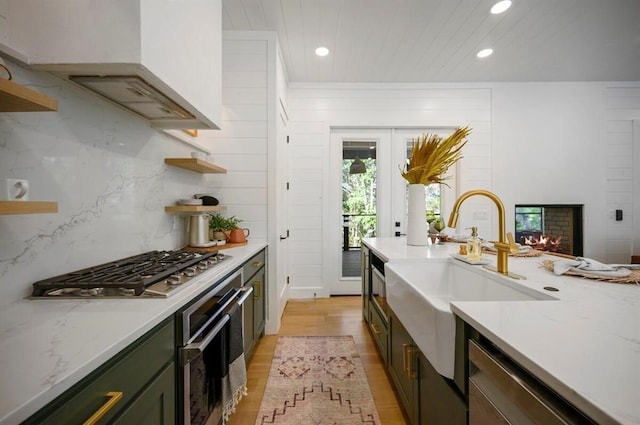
[[513, 248]]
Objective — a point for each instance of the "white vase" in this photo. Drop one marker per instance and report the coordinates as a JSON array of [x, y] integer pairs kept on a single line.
[[417, 231]]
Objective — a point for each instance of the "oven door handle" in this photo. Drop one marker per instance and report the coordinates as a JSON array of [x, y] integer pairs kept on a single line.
[[247, 291], [191, 351]]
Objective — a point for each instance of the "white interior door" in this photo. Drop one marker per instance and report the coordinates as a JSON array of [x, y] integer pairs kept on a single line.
[[283, 202]]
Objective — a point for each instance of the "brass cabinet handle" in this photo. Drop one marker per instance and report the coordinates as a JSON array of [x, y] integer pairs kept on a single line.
[[257, 264], [410, 355], [113, 398], [375, 329], [258, 294], [404, 357]]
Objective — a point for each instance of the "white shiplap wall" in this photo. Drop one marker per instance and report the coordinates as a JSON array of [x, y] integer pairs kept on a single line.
[[532, 143], [252, 87], [241, 146], [315, 109], [623, 107]]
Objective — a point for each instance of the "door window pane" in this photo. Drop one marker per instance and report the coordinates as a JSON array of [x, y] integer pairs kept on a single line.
[[358, 192], [432, 191]]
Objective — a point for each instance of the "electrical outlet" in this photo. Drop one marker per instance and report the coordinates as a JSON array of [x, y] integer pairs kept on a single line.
[[612, 214], [176, 223]]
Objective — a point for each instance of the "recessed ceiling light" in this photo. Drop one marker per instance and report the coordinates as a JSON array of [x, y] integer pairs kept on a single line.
[[500, 7], [322, 51], [484, 53]]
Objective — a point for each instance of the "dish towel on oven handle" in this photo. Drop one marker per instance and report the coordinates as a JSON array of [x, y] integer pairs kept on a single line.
[[234, 384]]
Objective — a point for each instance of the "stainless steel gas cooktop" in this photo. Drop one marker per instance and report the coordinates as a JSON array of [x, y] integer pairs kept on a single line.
[[152, 274]]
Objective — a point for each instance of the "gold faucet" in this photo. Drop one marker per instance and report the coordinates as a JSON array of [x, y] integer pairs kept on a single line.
[[502, 246]]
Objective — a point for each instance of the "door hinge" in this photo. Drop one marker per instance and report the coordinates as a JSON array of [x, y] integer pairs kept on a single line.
[[287, 139], [287, 232], [288, 280], [287, 185]]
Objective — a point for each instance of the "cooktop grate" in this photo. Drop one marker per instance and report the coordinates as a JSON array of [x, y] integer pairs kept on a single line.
[[131, 274]]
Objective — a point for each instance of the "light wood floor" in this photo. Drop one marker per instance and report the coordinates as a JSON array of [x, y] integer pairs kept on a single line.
[[325, 316]]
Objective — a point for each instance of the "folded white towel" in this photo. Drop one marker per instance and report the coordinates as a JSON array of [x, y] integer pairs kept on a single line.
[[588, 265]]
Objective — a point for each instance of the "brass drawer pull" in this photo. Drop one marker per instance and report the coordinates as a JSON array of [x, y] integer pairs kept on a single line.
[[410, 355], [257, 264], [375, 329], [258, 294], [113, 398], [404, 357]]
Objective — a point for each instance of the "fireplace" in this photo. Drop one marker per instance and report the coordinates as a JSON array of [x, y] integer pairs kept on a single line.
[[550, 227]]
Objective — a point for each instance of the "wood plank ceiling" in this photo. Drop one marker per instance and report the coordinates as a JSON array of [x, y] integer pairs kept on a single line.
[[437, 40]]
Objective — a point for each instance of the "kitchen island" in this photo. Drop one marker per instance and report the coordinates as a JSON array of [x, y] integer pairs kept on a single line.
[[48, 345], [585, 345]]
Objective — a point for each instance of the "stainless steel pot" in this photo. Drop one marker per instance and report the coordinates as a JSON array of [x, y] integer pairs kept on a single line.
[[199, 231]]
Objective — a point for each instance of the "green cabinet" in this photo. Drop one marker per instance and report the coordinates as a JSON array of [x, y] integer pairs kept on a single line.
[[156, 403], [139, 382], [380, 333], [254, 309], [427, 397], [365, 273], [371, 314], [440, 402], [403, 368]]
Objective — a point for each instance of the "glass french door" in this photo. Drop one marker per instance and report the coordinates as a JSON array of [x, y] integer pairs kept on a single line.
[[368, 198]]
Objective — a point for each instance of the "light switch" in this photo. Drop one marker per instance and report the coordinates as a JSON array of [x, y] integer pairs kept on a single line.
[[618, 215]]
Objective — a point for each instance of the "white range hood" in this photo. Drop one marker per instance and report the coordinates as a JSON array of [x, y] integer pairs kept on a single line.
[[160, 59]]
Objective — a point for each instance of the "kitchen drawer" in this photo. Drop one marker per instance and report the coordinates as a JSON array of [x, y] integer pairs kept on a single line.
[[253, 265], [380, 333], [128, 373]]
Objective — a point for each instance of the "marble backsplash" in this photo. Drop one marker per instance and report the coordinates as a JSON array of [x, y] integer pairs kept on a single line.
[[105, 168]]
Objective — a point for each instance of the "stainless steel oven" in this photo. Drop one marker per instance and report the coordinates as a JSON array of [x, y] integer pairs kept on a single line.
[[203, 326], [378, 287]]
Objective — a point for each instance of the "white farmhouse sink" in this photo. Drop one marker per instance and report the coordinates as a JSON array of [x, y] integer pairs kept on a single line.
[[420, 294]]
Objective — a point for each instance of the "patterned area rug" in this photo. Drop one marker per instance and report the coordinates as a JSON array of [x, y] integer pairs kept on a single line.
[[317, 380]]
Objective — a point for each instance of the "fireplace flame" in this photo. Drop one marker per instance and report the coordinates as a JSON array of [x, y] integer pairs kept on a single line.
[[543, 243]]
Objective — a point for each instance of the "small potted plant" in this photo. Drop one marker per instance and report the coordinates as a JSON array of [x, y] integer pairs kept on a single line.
[[221, 226]]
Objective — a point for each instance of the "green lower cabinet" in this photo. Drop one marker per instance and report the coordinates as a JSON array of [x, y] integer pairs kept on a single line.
[[254, 274], [402, 367], [427, 397], [155, 405], [142, 376], [439, 401]]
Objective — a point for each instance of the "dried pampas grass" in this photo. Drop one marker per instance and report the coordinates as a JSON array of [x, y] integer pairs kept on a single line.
[[432, 155]]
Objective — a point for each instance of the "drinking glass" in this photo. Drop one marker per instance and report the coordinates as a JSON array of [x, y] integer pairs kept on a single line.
[[439, 226], [431, 217]]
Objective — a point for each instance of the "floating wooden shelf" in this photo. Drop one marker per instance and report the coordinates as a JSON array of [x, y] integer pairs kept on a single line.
[[27, 207], [17, 98], [189, 209], [196, 165]]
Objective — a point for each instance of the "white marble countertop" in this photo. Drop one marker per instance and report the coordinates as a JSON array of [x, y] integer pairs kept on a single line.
[[585, 346], [46, 346]]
